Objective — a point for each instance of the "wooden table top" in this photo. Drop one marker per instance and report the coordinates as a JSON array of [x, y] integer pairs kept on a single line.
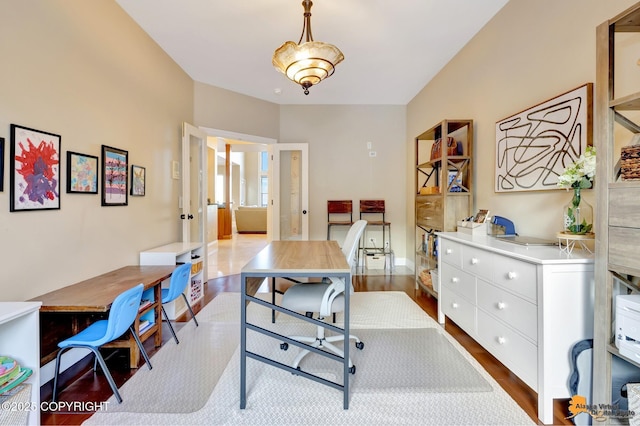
[[96, 294], [287, 257]]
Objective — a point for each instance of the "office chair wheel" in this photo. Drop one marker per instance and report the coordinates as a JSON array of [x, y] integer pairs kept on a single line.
[[284, 346], [352, 369], [360, 345]]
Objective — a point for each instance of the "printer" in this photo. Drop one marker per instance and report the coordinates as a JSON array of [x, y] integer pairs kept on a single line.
[[628, 325]]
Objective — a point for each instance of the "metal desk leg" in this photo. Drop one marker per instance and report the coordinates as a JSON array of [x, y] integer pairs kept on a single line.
[[347, 281], [243, 343], [273, 299]]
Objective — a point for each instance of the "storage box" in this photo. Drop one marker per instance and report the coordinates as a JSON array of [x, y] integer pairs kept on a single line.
[[630, 162], [374, 260], [472, 228], [427, 190]]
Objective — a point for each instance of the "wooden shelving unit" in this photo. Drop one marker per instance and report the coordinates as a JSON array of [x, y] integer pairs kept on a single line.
[[618, 205], [444, 189]]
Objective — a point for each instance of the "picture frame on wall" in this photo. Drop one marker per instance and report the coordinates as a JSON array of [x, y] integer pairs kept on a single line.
[[82, 173], [533, 147], [1, 164], [34, 169], [138, 176], [115, 179]]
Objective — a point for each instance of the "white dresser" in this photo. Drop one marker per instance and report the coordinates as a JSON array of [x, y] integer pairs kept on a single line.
[[526, 305]]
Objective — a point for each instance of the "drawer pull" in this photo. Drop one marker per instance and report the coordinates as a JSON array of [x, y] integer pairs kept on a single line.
[[501, 305], [511, 275], [454, 305], [474, 261], [449, 251], [502, 340], [455, 279]]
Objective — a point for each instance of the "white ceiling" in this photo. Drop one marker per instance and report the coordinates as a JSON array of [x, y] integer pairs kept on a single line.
[[392, 48]]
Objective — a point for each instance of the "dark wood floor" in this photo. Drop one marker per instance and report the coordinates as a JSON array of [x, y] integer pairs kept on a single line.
[[81, 384]]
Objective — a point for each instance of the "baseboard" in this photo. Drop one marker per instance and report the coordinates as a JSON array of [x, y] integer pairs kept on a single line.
[[68, 358]]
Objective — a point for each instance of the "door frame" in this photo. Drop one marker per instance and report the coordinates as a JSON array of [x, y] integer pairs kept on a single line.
[[244, 138], [190, 131]]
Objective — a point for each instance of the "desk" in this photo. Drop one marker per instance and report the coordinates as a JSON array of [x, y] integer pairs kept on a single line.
[[68, 310], [311, 259]]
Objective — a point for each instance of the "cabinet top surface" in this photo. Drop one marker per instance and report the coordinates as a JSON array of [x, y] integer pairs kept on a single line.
[[533, 254], [177, 248], [11, 310]]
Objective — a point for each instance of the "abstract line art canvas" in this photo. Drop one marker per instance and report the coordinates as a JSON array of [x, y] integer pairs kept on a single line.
[[534, 146], [34, 170]]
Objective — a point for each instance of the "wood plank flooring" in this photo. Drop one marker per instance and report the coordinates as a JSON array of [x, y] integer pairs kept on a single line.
[[82, 384]]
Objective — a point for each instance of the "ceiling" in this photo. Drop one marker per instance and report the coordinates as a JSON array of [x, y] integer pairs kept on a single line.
[[392, 48]]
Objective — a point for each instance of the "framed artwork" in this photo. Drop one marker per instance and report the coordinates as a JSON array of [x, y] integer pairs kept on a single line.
[[115, 182], [534, 146], [137, 180], [1, 164], [34, 170], [82, 173]]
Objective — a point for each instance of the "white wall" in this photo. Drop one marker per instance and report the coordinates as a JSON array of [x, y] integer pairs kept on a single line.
[[530, 52], [340, 167], [87, 72]]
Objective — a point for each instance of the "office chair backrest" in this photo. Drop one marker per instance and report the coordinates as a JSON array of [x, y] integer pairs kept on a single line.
[[178, 282], [122, 313], [351, 240]]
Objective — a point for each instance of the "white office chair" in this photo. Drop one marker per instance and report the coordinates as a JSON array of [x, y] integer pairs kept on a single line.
[[325, 298]]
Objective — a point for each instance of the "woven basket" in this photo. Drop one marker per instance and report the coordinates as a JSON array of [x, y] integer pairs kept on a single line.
[[630, 162]]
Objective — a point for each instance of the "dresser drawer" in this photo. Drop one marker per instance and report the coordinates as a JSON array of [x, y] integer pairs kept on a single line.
[[450, 252], [458, 281], [514, 351], [429, 211], [459, 310], [518, 313], [478, 262], [515, 275]]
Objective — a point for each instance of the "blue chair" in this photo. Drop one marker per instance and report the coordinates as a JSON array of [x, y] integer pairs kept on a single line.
[[177, 284], [122, 314]]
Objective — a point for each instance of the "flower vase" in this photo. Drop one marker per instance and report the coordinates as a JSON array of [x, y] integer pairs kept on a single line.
[[577, 215]]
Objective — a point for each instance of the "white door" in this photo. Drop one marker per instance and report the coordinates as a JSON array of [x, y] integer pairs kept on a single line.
[[194, 186], [289, 192]]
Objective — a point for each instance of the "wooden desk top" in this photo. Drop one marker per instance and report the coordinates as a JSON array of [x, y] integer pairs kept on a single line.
[[96, 294], [287, 257]]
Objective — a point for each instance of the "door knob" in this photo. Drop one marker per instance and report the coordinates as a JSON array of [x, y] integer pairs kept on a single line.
[[304, 212]]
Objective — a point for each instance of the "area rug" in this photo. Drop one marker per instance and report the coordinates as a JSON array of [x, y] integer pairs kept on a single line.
[[278, 397], [418, 359]]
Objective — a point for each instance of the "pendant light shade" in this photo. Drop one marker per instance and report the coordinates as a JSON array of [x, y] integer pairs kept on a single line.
[[310, 62]]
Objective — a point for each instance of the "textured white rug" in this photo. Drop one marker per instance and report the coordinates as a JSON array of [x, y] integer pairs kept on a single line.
[[277, 397]]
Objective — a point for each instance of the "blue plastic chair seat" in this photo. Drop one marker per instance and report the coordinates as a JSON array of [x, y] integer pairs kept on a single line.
[[94, 335]]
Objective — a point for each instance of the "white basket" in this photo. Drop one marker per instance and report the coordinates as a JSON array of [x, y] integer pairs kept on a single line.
[[472, 228]]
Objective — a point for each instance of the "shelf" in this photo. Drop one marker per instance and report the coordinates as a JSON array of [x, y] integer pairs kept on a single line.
[[612, 349], [453, 159], [428, 289], [626, 103], [627, 21]]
